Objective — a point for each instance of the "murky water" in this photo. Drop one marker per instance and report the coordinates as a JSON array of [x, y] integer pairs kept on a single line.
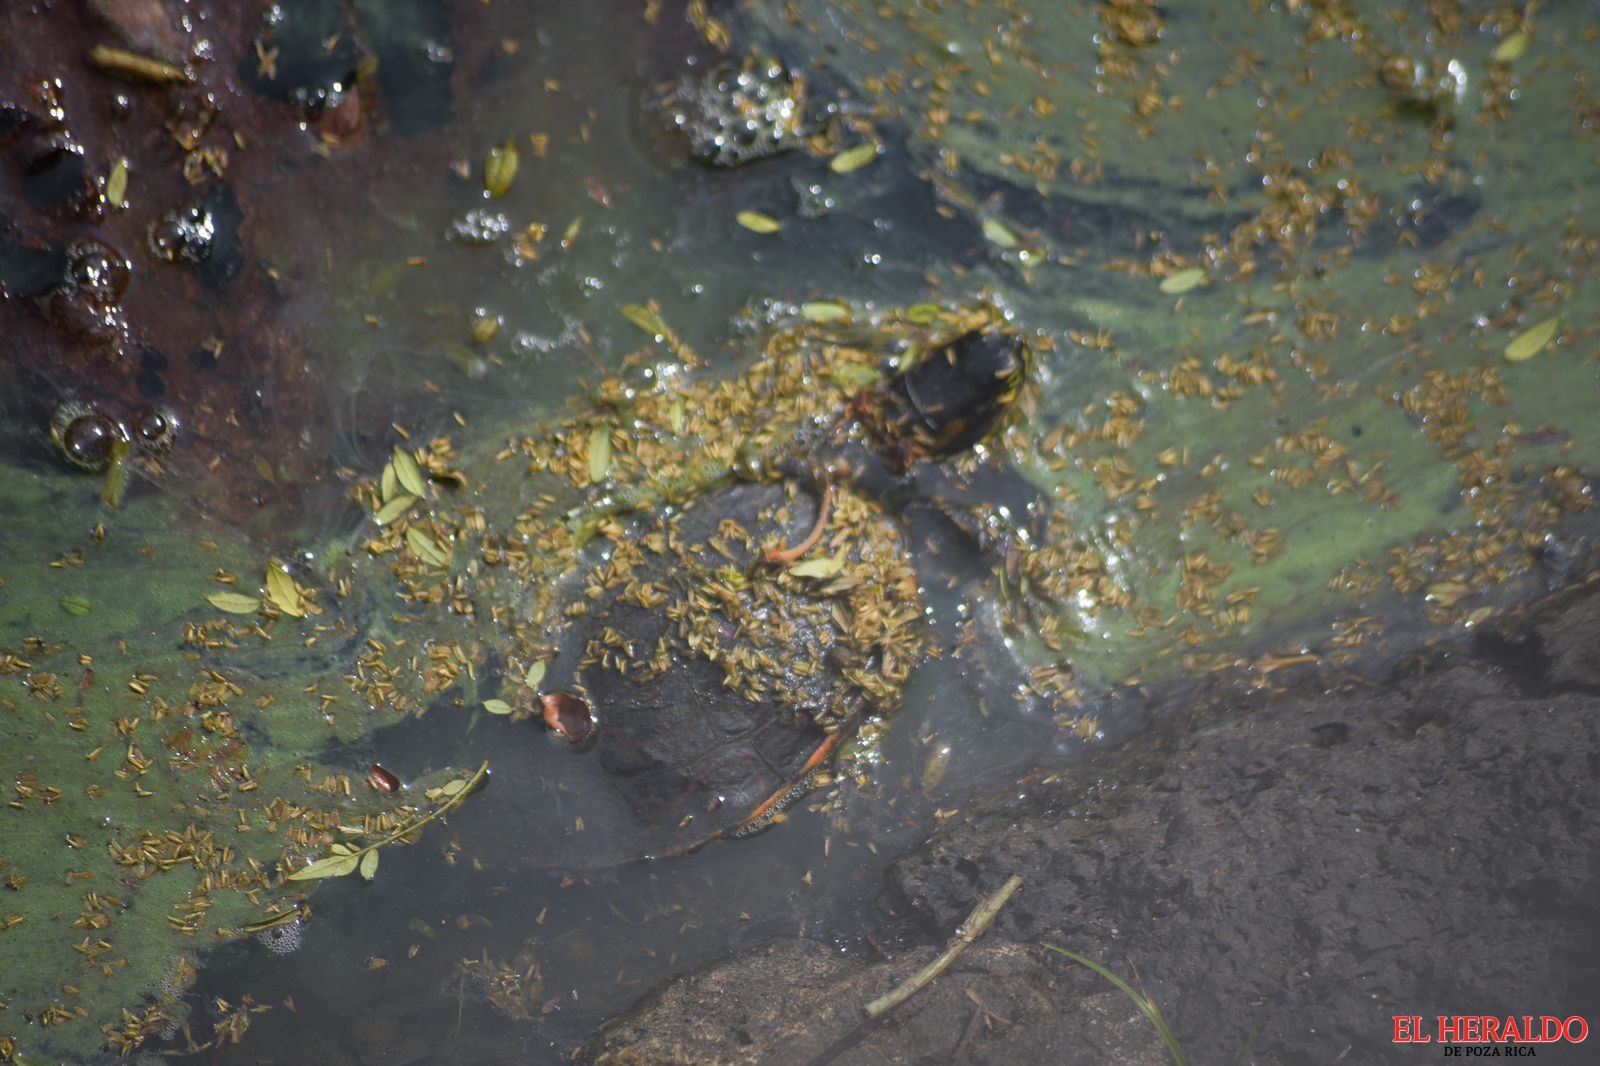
[[1271, 276]]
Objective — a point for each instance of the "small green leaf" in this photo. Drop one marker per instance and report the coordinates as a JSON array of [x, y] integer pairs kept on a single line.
[[1182, 281], [388, 484], [678, 414], [756, 222], [645, 319], [234, 602], [1512, 47], [76, 605], [999, 233], [535, 676], [854, 375], [570, 234], [283, 592], [393, 509], [117, 181], [824, 567], [484, 326], [599, 454], [1531, 341], [332, 866], [453, 786], [425, 548], [369, 865], [500, 169], [408, 473], [117, 476], [922, 314], [853, 158], [497, 706], [824, 312]]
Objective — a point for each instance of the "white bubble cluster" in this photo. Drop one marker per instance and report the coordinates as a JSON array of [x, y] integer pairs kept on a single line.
[[282, 939]]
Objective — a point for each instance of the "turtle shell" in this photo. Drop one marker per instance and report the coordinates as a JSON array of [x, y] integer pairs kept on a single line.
[[720, 670]]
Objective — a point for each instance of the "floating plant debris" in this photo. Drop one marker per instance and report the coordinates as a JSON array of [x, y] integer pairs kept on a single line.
[[756, 222], [117, 183], [283, 592], [824, 312], [1182, 281], [500, 169], [1533, 340], [382, 779], [408, 473], [567, 715], [853, 158], [999, 233], [76, 605], [646, 319], [393, 509], [426, 548], [344, 859], [234, 602], [599, 453]]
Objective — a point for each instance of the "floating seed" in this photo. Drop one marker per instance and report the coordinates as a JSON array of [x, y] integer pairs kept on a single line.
[[117, 182], [500, 169], [853, 158], [1182, 281], [568, 715], [1512, 47], [756, 222], [1531, 341], [824, 312], [599, 453], [999, 233]]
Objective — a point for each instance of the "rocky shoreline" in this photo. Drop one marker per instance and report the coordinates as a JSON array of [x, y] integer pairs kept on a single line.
[[1284, 873]]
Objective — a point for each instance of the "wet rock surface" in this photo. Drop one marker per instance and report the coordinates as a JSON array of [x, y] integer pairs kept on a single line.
[[1300, 865]]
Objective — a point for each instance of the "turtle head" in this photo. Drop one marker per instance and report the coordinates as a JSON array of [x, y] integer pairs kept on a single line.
[[949, 399]]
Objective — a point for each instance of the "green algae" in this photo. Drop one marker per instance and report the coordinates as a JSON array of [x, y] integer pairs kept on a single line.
[[1323, 441], [159, 774]]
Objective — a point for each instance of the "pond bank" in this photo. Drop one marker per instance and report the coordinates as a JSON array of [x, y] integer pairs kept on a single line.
[[1311, 862]]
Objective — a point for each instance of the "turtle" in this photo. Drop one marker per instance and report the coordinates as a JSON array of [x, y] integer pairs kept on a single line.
[[714, 646]]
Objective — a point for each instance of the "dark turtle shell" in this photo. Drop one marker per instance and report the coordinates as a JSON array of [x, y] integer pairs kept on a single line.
[[718, 682]]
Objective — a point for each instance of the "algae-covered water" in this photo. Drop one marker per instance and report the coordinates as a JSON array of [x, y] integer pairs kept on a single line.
[[1310, 293]]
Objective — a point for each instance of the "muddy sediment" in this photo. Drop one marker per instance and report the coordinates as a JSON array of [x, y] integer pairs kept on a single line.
[[1282, 872]]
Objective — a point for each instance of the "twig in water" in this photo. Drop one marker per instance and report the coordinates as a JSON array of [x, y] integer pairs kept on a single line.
[[971, 929], [824, 509], [138, 67]]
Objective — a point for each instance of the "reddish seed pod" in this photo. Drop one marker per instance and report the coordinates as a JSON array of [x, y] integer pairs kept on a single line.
[[568, 715], [382, 780]]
